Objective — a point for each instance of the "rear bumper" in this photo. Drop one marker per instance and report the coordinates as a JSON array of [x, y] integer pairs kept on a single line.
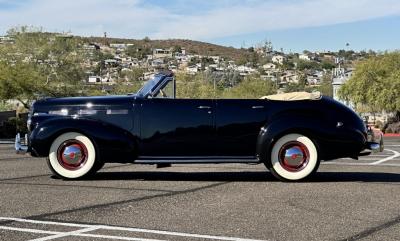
[[21, 148], [373, 146]]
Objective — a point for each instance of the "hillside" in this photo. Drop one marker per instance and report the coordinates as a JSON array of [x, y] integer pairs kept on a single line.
[[191, 46]]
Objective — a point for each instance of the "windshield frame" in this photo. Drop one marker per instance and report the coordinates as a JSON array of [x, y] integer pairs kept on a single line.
[[153, 86]]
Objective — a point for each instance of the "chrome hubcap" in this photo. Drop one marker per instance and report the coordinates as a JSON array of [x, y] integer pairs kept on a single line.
[[72, 154], [294, 156]]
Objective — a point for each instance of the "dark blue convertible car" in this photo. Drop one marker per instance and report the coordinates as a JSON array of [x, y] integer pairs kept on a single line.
[[289, 133]]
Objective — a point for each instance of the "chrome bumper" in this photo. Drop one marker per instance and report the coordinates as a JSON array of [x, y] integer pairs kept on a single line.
[[373, 146], [19, 147]]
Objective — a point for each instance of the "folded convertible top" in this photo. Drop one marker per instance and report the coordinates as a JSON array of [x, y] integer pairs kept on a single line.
[[294, 96]]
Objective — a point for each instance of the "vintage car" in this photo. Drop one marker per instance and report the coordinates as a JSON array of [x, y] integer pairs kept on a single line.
[[290, 134]]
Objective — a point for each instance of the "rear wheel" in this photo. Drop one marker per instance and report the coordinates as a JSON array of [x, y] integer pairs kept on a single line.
[[72, 155], [294, 157]]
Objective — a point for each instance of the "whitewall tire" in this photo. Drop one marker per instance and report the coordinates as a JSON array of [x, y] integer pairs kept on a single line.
[[294, 157], [72, 155]]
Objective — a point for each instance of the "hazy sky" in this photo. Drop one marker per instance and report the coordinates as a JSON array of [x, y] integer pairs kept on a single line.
[[290, 24]]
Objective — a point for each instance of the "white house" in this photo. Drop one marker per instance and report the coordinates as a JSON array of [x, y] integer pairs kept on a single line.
[[269, 66], [278, 59], [341, 76], [305, 57], [94, 79], [192, 69], [120, 46]]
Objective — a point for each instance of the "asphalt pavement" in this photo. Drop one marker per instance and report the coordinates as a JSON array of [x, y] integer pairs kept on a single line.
[[346, 200]]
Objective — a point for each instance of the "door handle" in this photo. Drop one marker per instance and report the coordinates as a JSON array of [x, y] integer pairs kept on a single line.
[[204, 107], [257, 107]]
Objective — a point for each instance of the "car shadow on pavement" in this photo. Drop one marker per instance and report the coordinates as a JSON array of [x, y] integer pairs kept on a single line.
[[185, 176], [356, 177], [253, 176]]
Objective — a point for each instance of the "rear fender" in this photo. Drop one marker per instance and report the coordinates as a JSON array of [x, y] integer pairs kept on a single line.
[[114, 144], [277, 128]]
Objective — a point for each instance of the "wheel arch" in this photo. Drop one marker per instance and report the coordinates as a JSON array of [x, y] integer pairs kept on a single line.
[[272, 132]]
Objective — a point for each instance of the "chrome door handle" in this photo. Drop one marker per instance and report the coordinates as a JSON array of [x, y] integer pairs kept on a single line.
[[204, 107], [257, 107]]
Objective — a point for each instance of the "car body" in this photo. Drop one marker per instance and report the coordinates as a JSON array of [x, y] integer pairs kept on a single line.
[[78, 135]]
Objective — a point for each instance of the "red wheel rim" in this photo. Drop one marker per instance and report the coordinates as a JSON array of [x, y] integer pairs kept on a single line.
[[294, 156], [72, 155]]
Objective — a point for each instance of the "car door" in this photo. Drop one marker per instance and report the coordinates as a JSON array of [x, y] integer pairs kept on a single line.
[[238, 123], [176, 128]]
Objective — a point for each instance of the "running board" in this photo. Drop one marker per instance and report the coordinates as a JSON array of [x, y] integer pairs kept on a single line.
[[197, 161]]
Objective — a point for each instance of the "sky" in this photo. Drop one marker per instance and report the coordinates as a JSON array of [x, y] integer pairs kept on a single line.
[[293, 25]]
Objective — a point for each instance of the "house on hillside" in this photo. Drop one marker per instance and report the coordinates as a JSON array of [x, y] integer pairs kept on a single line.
[[278, 59], [162, 53], [305, 57], [6, 40], [194, 69], [269, 66], [289, 77], [120, 46], [157, 63], [340, 77]]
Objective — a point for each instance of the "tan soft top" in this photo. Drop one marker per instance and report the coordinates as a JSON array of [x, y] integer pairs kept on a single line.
[[294, 96]]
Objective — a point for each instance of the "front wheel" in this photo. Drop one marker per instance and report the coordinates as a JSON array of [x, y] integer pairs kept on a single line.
[[294, 157], [72, 155]]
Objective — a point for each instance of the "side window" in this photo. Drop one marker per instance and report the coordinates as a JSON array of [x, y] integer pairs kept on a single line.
[[167, 92]]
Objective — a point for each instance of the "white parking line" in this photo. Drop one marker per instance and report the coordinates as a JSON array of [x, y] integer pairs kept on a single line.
[[395, 154], [78, 233], [87, 228], [359, 164], [28, 230], [66, 234]]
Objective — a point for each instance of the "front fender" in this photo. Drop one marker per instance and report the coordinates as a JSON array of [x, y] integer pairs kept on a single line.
[[114, 144]]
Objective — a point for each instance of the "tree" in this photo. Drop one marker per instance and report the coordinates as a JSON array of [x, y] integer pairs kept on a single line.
[[20, 82], [308, 65], [294, 87], [132, 75], [326, 87], [375, 83], [40, 64], [252, 87], [327, 65]]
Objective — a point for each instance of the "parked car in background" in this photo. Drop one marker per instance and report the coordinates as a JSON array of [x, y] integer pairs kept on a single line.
[[375, 135], [290, 134]]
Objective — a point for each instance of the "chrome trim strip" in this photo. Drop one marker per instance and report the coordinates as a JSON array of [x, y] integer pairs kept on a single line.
[[117, 112], [196, 157]]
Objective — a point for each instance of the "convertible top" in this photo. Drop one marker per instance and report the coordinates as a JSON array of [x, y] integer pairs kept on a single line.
[[294, 96]]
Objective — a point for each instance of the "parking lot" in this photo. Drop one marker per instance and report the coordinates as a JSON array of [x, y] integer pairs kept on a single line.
[[347, 200]]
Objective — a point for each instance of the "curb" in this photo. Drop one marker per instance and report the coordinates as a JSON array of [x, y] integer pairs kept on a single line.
[[391, 135]]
